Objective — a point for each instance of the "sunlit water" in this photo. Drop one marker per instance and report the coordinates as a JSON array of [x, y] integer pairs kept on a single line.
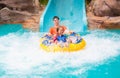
[[22, 57]]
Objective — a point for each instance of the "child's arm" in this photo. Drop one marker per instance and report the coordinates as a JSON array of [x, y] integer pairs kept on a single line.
[[67, 32]]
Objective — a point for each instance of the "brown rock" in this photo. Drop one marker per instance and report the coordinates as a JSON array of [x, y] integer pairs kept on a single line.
[[105, 22], [112, 22], [25, 12], [8, 16], [106, 7], [31, 6], [104, 14]]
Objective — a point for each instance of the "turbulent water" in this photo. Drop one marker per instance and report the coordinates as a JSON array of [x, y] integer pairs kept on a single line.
[[22, 57]]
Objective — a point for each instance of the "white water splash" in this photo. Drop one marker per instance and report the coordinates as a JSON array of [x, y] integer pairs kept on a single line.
[[22, 54]]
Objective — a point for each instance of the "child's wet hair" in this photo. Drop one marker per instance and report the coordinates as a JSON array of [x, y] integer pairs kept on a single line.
[[57, 29]]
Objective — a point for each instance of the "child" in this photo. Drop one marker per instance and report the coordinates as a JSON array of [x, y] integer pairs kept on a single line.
[[61, 39], [74, 38]]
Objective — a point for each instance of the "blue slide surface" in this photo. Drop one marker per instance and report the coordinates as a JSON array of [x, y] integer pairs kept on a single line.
[[72, 14]]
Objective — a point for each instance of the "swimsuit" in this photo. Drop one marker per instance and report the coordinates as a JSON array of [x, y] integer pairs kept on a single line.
[[62, 38]]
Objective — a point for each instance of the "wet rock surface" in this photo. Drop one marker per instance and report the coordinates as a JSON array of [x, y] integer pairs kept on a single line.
[[106, 8], [20, 11], [104, 14]]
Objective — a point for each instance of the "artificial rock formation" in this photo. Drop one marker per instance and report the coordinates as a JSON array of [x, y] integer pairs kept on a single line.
[[25, 12], [104, 14]]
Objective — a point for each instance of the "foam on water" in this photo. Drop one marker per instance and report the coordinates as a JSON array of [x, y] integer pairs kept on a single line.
[[22, 55]]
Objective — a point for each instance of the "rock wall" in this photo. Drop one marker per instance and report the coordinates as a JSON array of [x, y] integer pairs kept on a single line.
[[26, 12], [104, 14]]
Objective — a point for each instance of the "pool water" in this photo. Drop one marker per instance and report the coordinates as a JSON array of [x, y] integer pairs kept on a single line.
[[9, 28], [22, 57]]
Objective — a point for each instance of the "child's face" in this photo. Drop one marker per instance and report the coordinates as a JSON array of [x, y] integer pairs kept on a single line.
[[61, 31]]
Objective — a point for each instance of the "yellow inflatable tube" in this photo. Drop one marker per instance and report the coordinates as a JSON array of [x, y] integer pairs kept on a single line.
[[71, 48]]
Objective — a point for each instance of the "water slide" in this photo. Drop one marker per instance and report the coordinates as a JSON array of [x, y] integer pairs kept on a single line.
[[72, 14]]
